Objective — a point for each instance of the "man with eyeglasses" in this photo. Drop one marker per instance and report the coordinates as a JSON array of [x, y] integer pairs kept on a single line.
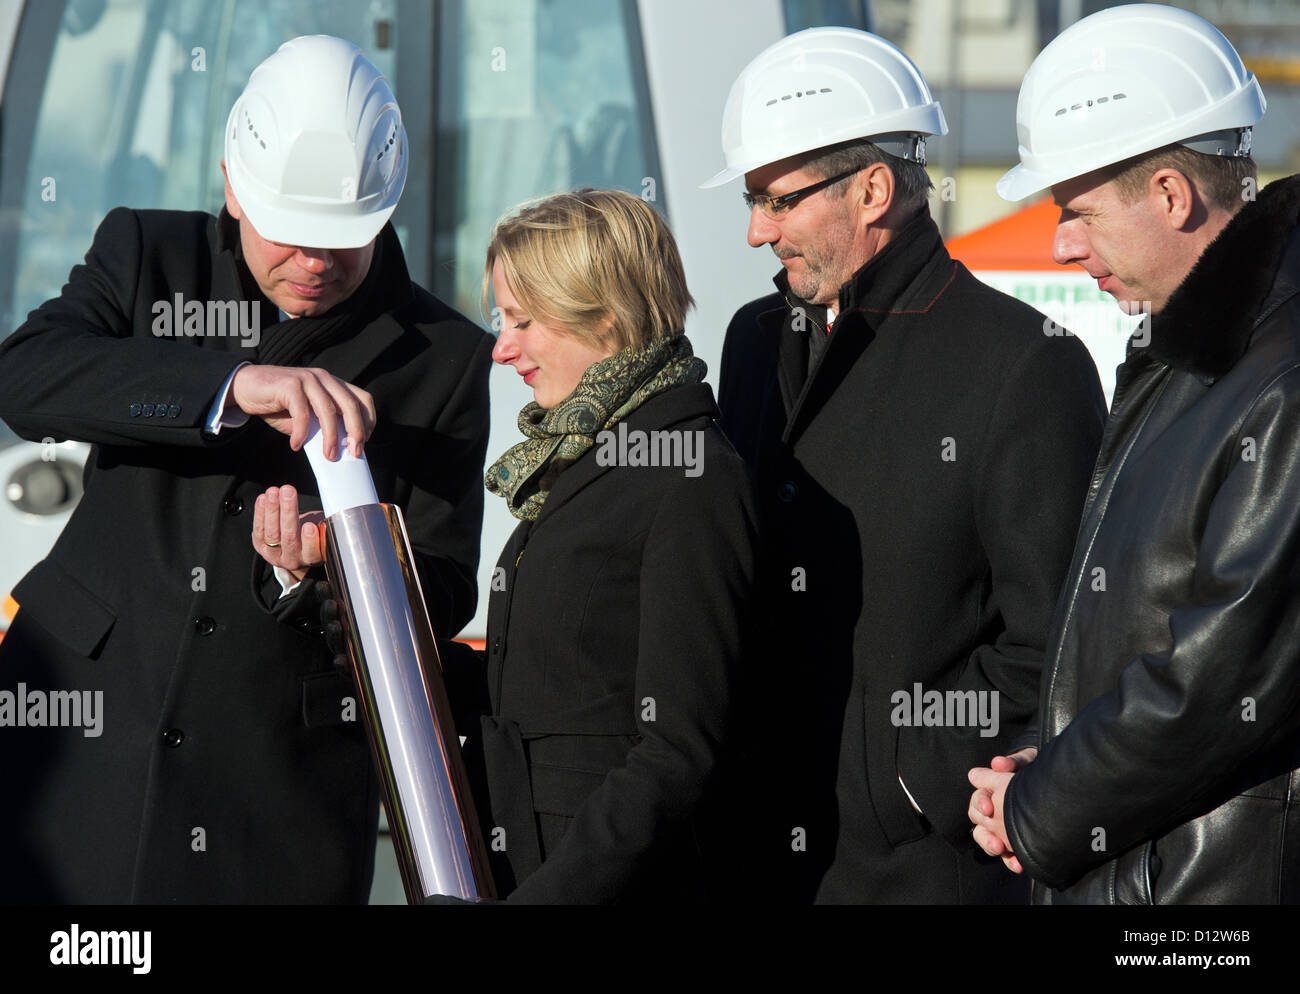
[[922, 450]]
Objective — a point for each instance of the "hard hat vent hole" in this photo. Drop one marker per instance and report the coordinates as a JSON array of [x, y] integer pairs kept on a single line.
[[798, 93], [1089, 103], [256, 135], [392, 138]]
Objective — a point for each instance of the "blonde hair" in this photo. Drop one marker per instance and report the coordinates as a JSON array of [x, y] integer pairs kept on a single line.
[[593, 263]]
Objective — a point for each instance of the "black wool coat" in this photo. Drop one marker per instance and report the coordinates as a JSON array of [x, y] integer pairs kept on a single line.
[[227, 769], [1170, 764], [919, 493], [614, 648]]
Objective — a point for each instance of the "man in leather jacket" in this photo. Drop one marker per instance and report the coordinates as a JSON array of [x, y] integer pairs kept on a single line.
[[1169, 741]]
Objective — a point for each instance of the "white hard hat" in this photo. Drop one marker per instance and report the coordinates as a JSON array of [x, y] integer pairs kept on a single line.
[[820, 87], [1125, 81], [315, 149]]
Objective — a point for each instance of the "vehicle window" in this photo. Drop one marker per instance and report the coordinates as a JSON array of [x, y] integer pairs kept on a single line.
[[800, 14], [535, 97]]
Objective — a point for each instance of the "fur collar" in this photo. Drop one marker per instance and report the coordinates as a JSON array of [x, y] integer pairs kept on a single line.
[[1206, 325]]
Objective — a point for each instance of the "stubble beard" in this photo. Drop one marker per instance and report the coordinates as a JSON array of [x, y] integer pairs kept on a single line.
[[820, 281]]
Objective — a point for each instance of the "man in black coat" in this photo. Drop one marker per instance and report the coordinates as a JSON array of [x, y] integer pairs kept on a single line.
[[225, 761], [921, 450], [1169, 760]]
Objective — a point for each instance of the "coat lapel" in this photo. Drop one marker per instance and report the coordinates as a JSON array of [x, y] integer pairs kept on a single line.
[[792, 358], [849, 339], [348, 359], [232, 281], [226, 282]]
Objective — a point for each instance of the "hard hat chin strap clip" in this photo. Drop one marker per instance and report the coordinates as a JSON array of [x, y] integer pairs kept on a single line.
[[903, 146], [1244, 143], [1234, 142]]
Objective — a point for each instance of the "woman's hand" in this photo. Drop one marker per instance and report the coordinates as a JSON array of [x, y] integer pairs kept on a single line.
[[282, 536]]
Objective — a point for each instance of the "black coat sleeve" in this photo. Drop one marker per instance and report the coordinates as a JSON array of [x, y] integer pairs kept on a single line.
[[78, 364], [748, 361], [1031, 482]]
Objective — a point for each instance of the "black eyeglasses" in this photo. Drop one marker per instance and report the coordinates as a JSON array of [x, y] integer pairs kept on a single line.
[[775, 207]]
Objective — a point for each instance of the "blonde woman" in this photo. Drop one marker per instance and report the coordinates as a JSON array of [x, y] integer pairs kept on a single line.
[[615, 619]]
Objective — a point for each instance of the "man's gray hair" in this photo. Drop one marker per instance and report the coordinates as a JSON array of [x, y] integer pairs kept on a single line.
[[912, 183]]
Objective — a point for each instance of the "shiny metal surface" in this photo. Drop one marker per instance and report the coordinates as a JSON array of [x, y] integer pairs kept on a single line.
[[412, 737]]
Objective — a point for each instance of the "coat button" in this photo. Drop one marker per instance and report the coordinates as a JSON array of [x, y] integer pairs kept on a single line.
[[305, 625], [787, 491], [147, 411], [135, 410], [173, 411], [205, 625], [234, 505], [496, 644], [173, 737]]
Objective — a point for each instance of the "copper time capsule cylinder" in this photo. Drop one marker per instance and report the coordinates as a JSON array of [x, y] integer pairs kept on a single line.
[[404, 705]]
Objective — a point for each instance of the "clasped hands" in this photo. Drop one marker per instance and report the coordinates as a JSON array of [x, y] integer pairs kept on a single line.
[[986, 804]]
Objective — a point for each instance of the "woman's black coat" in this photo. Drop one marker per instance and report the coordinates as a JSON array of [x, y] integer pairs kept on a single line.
[[614, 642]]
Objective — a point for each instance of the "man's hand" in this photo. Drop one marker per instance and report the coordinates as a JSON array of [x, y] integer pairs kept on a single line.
[[282, 536], [286, 397], [986, 804]]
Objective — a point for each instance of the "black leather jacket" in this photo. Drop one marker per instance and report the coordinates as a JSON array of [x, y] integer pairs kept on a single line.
[[1170, 705]]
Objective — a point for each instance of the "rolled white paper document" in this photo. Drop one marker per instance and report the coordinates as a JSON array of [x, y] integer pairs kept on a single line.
[[345, 482]]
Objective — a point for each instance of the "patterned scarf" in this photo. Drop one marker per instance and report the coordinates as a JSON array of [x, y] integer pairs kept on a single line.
[[608, 391]]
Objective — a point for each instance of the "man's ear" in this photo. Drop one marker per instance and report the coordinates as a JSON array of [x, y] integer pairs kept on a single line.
[[232, 205], [877, 194], [1176, 199]]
